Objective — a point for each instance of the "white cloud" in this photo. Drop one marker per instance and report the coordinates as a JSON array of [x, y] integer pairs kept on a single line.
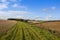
[[13, 14], [23, 7], [1, 12], [2, 15], [44, 9], [18, 12], [48, 17], [53, 8], [19, 6], [2, 6], [48, 10], [19, 17], [38, 18], [15, 5], [3, 0], [5, 4]]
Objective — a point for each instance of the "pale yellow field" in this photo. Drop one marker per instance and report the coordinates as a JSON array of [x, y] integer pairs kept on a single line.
[[5, 25], [54, 26]]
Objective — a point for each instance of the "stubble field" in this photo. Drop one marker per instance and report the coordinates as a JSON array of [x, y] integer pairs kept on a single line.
[[5, 25], [54, 26]]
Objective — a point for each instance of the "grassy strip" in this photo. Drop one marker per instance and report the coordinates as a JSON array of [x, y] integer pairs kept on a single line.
[[43, 34], [46, 34], [26, 33], [19, 33], [36, 36]]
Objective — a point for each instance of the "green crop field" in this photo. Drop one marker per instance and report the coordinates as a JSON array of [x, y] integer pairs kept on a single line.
[[24, 31]]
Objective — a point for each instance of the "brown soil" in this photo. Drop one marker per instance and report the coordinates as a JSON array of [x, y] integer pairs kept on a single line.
[[5, 25], [55, 26]]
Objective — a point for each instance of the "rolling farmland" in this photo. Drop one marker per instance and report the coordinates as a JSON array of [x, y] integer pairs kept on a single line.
[[54, 26], [5, 25], [24, 31]]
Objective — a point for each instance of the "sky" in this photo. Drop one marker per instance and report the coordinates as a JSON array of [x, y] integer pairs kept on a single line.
[[30, 9]]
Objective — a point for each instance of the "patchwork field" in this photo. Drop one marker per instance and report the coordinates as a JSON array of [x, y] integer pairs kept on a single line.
[[24, 31]]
